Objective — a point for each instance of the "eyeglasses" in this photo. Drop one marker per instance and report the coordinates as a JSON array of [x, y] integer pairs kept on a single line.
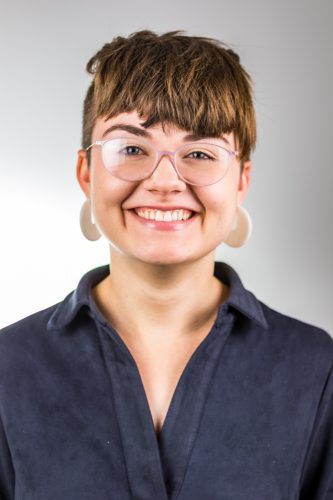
[[199, 164]]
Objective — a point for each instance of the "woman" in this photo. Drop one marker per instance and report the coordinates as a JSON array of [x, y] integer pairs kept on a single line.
[[165, 378]]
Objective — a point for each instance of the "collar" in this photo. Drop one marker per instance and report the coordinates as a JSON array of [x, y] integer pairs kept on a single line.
[[239, 298]]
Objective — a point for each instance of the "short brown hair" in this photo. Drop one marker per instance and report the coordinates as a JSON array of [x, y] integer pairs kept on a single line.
[[195, 83]]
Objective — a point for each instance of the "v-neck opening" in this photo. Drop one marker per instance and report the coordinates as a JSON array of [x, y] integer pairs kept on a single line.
[[182, 422], [216, 325], [157, 462]]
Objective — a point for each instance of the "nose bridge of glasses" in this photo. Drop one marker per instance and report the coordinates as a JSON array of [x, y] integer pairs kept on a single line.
[[168, 155]]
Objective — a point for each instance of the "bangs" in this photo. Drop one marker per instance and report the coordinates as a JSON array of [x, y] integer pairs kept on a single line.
[[193, 83]]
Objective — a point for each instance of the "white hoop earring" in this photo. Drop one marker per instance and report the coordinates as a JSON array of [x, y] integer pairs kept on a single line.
[[88, 228], [242, 232]]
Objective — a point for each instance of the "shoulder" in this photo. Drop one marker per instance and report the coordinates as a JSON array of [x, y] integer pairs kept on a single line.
[[17, 339], [295, 329], [274, 331], [24, 353], [38, 319], [298, 339], [36, 325]]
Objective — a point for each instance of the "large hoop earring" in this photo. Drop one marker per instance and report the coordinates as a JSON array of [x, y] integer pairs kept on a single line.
[[242, 232], [88, 228]]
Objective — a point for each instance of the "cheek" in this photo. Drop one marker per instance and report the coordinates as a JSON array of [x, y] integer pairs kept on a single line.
[[220, 203], [219, 200], [108, 194]]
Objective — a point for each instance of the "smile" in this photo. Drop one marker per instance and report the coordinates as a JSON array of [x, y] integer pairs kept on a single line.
[[164, 216]]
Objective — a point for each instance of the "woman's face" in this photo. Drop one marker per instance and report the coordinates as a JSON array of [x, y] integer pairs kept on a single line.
[[121, 207]]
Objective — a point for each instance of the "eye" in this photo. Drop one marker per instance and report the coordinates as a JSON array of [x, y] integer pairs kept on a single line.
[[132, 151], [199, 155]]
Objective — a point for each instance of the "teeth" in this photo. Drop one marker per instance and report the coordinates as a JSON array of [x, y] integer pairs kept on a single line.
[[165, 216], [159, 215]]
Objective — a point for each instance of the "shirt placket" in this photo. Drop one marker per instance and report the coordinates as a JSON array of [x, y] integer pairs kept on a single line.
[[181, 426], [140, 445]]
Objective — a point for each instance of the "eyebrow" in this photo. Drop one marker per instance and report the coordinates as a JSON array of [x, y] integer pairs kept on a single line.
[[127, 128], [141, 132], [197, 137]]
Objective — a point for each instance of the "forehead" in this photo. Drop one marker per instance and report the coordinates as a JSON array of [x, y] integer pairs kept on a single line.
[[131, 123]]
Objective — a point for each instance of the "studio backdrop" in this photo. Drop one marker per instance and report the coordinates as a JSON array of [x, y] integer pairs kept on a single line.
[[287, 48]]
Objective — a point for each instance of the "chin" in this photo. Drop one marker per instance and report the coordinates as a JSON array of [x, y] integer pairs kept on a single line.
[[164, 260], [177, 257]]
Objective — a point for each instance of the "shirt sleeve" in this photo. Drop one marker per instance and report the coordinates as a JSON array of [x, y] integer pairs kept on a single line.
[[317, 477], [7, 476]]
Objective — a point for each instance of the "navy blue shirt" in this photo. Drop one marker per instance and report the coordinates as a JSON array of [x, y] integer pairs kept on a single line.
[[251, 417]]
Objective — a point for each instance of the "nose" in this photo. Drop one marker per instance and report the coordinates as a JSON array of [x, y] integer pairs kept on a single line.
[[165, 177]]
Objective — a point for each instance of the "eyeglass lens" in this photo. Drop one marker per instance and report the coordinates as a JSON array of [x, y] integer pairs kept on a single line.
[[133, 160]]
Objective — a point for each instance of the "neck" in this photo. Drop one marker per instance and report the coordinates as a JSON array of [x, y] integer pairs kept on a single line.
[[159, 303]]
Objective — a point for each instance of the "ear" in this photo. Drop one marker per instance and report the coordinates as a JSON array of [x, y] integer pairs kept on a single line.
[[83, 172], [244, 181]]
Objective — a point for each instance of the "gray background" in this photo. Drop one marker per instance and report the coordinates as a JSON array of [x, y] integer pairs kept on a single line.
[[287, 48]]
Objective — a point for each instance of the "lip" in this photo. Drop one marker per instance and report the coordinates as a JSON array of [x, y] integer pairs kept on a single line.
[[164, 208], [176, 225]]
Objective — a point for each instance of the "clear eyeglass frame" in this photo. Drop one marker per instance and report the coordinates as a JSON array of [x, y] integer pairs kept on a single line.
[[172, 156]]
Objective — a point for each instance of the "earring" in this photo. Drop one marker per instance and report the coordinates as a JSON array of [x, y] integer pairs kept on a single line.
[[242, 232], [88, 228]]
